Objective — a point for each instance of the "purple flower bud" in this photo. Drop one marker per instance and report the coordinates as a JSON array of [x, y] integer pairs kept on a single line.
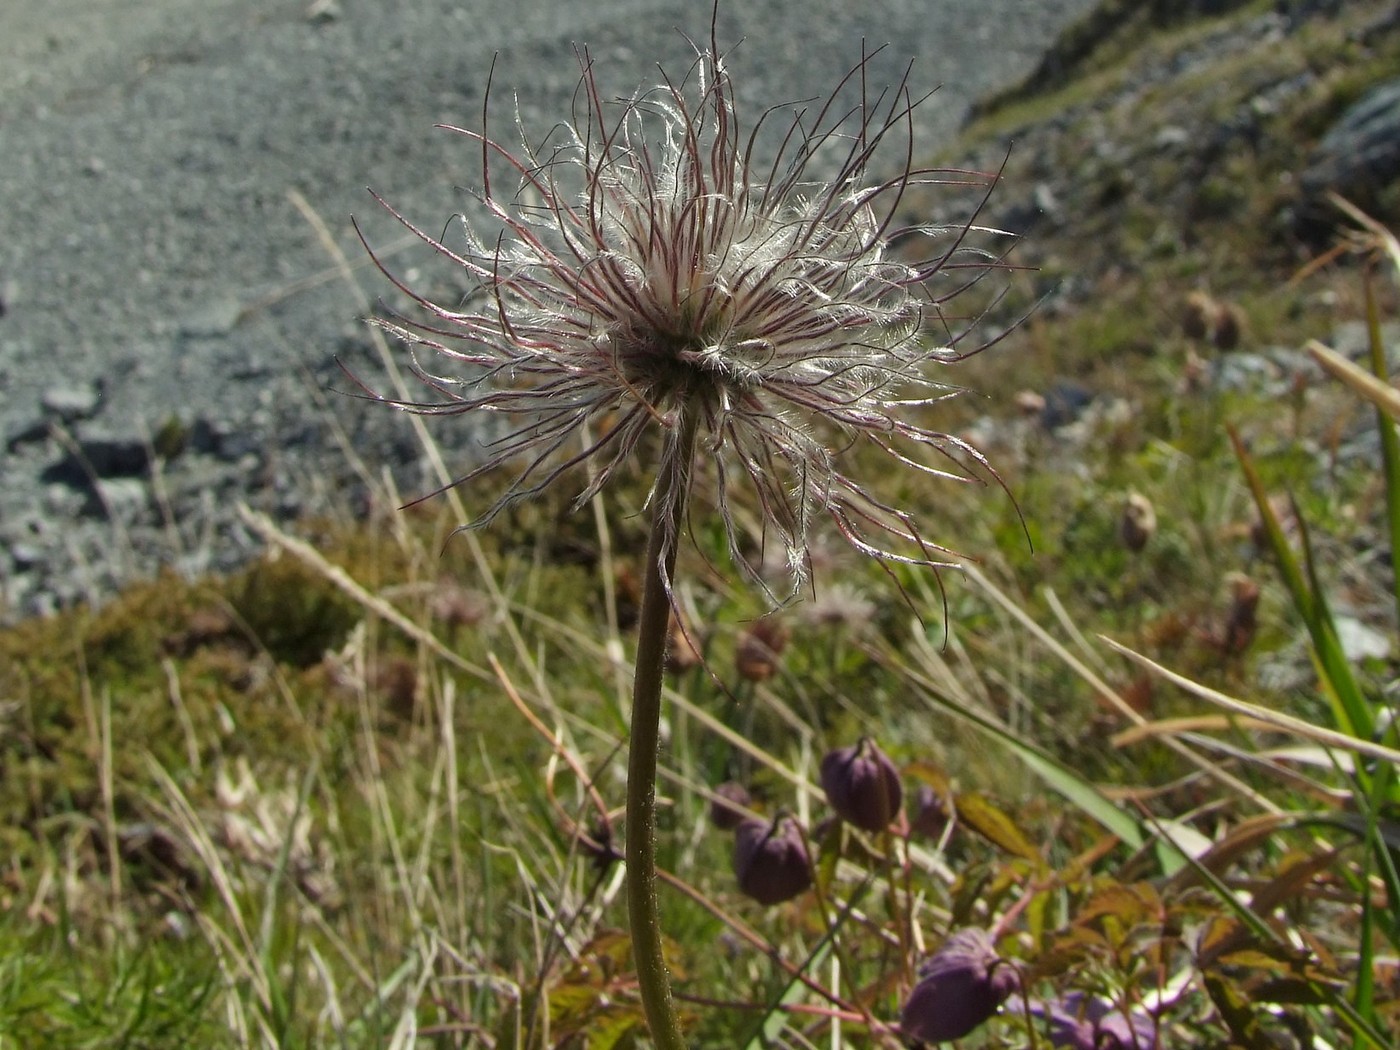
[[931, 814], [727, 806], [770, 860], [960, 987], [862, 785]]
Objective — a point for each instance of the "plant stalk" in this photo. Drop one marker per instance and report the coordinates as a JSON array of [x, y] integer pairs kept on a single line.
[[653, 981]]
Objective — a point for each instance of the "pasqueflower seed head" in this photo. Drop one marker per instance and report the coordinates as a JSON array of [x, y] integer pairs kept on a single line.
[[646, 268]]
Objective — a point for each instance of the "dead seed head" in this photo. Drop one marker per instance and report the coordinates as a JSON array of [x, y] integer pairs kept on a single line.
[[1138, 523], [760, 649]]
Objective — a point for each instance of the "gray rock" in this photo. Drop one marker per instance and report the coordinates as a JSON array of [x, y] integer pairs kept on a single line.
[[215, 318], [72, 402], [115, 455], [1065, 402], [101, 454], [120, 499], [1357, 157], [1359, 641], [1173, 136], [1352, 339], [25, 556], [26, 433]]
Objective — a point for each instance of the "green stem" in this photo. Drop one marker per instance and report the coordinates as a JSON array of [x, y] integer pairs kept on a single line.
[[653, 982]]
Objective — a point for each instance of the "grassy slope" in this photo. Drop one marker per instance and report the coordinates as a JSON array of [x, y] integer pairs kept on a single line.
[[227, 810]]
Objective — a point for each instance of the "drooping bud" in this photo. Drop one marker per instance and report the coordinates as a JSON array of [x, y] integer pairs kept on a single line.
[[862, 785], [960, 987], [728, 805], [771, 860]]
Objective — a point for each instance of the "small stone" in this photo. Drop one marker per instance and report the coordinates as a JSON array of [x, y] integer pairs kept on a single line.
[[71, 403], [121, 499], [1360, 642], [1044, 198], [213, 319], [25, 556], [1029, 403], [1357, 158], [1172, 136], [114, 455], [1065, 402]]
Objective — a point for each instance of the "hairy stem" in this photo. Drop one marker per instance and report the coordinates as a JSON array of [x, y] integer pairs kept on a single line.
[[654, 983]]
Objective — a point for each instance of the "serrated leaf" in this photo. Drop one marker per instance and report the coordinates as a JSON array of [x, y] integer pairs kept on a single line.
[[1234, 1007], [1253, 959], [991, 822], [1068, 952], [1291, 991], [572, 1001], [1131, 905], [609, 1031]]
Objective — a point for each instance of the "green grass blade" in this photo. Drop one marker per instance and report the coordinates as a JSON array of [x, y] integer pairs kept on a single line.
[[1350, 708], [1390, 442]]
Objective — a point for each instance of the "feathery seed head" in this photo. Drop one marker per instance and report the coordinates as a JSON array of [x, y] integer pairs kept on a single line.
[[647, 268]]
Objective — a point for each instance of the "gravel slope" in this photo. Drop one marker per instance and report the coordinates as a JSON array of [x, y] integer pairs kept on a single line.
[[160, 290]]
